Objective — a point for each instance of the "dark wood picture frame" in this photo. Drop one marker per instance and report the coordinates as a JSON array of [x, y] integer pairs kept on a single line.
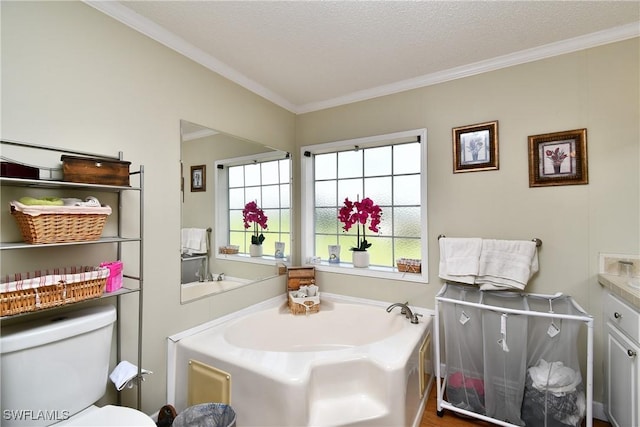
[[199, 178], [475, 147], [558, 158]]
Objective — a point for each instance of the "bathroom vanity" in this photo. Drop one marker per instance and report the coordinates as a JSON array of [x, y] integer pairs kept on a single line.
[[622, 350]]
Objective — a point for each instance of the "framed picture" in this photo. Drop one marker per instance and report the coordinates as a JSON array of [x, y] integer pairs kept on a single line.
[[475, 147], [558, 158], [198, 178]]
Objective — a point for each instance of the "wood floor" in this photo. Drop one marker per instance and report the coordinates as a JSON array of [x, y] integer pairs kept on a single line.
[[450, 419]]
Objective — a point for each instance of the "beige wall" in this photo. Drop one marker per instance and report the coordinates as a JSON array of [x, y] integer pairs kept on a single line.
[[75, 78], [595, 89]]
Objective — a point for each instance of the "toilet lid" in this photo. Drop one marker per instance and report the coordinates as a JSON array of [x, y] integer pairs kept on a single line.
[[117, 416]]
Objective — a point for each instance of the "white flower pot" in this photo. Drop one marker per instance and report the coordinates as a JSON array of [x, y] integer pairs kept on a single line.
[[360, 259], [255, 250]]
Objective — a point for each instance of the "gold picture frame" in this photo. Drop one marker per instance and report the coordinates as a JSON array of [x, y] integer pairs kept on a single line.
[[558, 158], [475, 147], [199, 178]]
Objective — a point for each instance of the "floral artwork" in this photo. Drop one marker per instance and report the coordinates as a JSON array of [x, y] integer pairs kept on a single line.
[[475, 147], [358, 213], [253, 214], [558, 158], [555, 158]]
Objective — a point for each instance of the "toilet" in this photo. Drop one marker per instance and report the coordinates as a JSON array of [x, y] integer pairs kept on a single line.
[[55, 368]]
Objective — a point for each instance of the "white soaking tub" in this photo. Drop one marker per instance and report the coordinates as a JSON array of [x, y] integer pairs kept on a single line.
[[350, 364]]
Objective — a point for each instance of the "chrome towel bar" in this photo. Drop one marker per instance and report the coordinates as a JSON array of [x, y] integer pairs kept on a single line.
[[535, 239]]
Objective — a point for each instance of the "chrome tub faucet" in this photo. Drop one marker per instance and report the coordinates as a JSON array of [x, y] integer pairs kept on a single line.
[[413, 317]]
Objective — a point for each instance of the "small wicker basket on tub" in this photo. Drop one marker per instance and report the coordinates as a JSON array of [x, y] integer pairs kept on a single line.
[[301, 276], [59, 224], [26, 292]]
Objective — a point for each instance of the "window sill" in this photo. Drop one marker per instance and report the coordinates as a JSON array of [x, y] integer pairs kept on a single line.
[[265, 259], [371, 271]]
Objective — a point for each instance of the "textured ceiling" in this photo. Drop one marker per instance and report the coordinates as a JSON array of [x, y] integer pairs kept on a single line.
[[306, 55]]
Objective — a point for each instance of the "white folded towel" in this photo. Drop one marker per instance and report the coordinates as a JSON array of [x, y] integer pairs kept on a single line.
[[506, 264], [194, 241], [89, 202], [124, 373], [35, 210], [459, 259]]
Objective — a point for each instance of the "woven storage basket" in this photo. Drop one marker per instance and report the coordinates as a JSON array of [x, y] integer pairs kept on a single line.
[[50, 226], [228, 250], [301, 276], [408, 265], [26, 292], [304, 305]]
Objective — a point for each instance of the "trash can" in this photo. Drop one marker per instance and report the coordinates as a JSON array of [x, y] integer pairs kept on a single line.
[[206, 415]]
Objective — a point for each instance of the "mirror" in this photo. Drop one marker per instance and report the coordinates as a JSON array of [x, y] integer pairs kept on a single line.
[[220, 174]]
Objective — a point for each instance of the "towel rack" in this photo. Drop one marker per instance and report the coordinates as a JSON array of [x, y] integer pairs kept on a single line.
[[535, 239]]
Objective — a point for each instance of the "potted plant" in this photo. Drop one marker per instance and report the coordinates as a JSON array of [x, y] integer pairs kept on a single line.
[[253, 214], [358, 213]]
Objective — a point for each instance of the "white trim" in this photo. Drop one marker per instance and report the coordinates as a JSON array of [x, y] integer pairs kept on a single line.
[[253, 158], [575, 44], [599, 412], [198, 134], [156, 32], [307, 217], [372, 271], [221, 214]]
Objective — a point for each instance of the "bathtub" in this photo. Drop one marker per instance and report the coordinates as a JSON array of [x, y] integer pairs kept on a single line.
[[350, 364]]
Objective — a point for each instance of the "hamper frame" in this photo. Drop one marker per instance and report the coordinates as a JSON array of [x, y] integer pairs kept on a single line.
[[441, 382]]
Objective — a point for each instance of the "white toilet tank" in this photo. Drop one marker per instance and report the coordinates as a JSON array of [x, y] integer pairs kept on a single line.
[[54, 367]]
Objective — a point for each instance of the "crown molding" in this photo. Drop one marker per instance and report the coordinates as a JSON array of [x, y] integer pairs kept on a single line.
[[198, 134], [587, 41], [154, 31], [141, 24]]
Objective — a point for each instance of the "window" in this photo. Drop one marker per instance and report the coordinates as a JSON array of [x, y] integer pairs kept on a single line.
[[261, 179], [390, 170]]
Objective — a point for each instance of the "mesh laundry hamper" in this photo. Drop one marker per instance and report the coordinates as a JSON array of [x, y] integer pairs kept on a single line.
[[505, 355], [464, 349], [554, 393], [206, 415]]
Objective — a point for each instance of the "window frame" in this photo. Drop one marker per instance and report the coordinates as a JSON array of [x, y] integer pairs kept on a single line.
[[221, 210], [307, 217]]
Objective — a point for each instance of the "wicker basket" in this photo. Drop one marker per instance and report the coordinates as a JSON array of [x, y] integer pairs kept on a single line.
[[408, 265], [301, 276], [24, 293], [52, 227], [228, 250], [304, 305]]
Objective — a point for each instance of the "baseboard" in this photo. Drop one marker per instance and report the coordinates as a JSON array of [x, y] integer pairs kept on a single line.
[[597, 409]]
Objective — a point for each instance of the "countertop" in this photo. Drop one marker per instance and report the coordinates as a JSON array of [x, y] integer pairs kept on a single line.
[[618, 286]]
